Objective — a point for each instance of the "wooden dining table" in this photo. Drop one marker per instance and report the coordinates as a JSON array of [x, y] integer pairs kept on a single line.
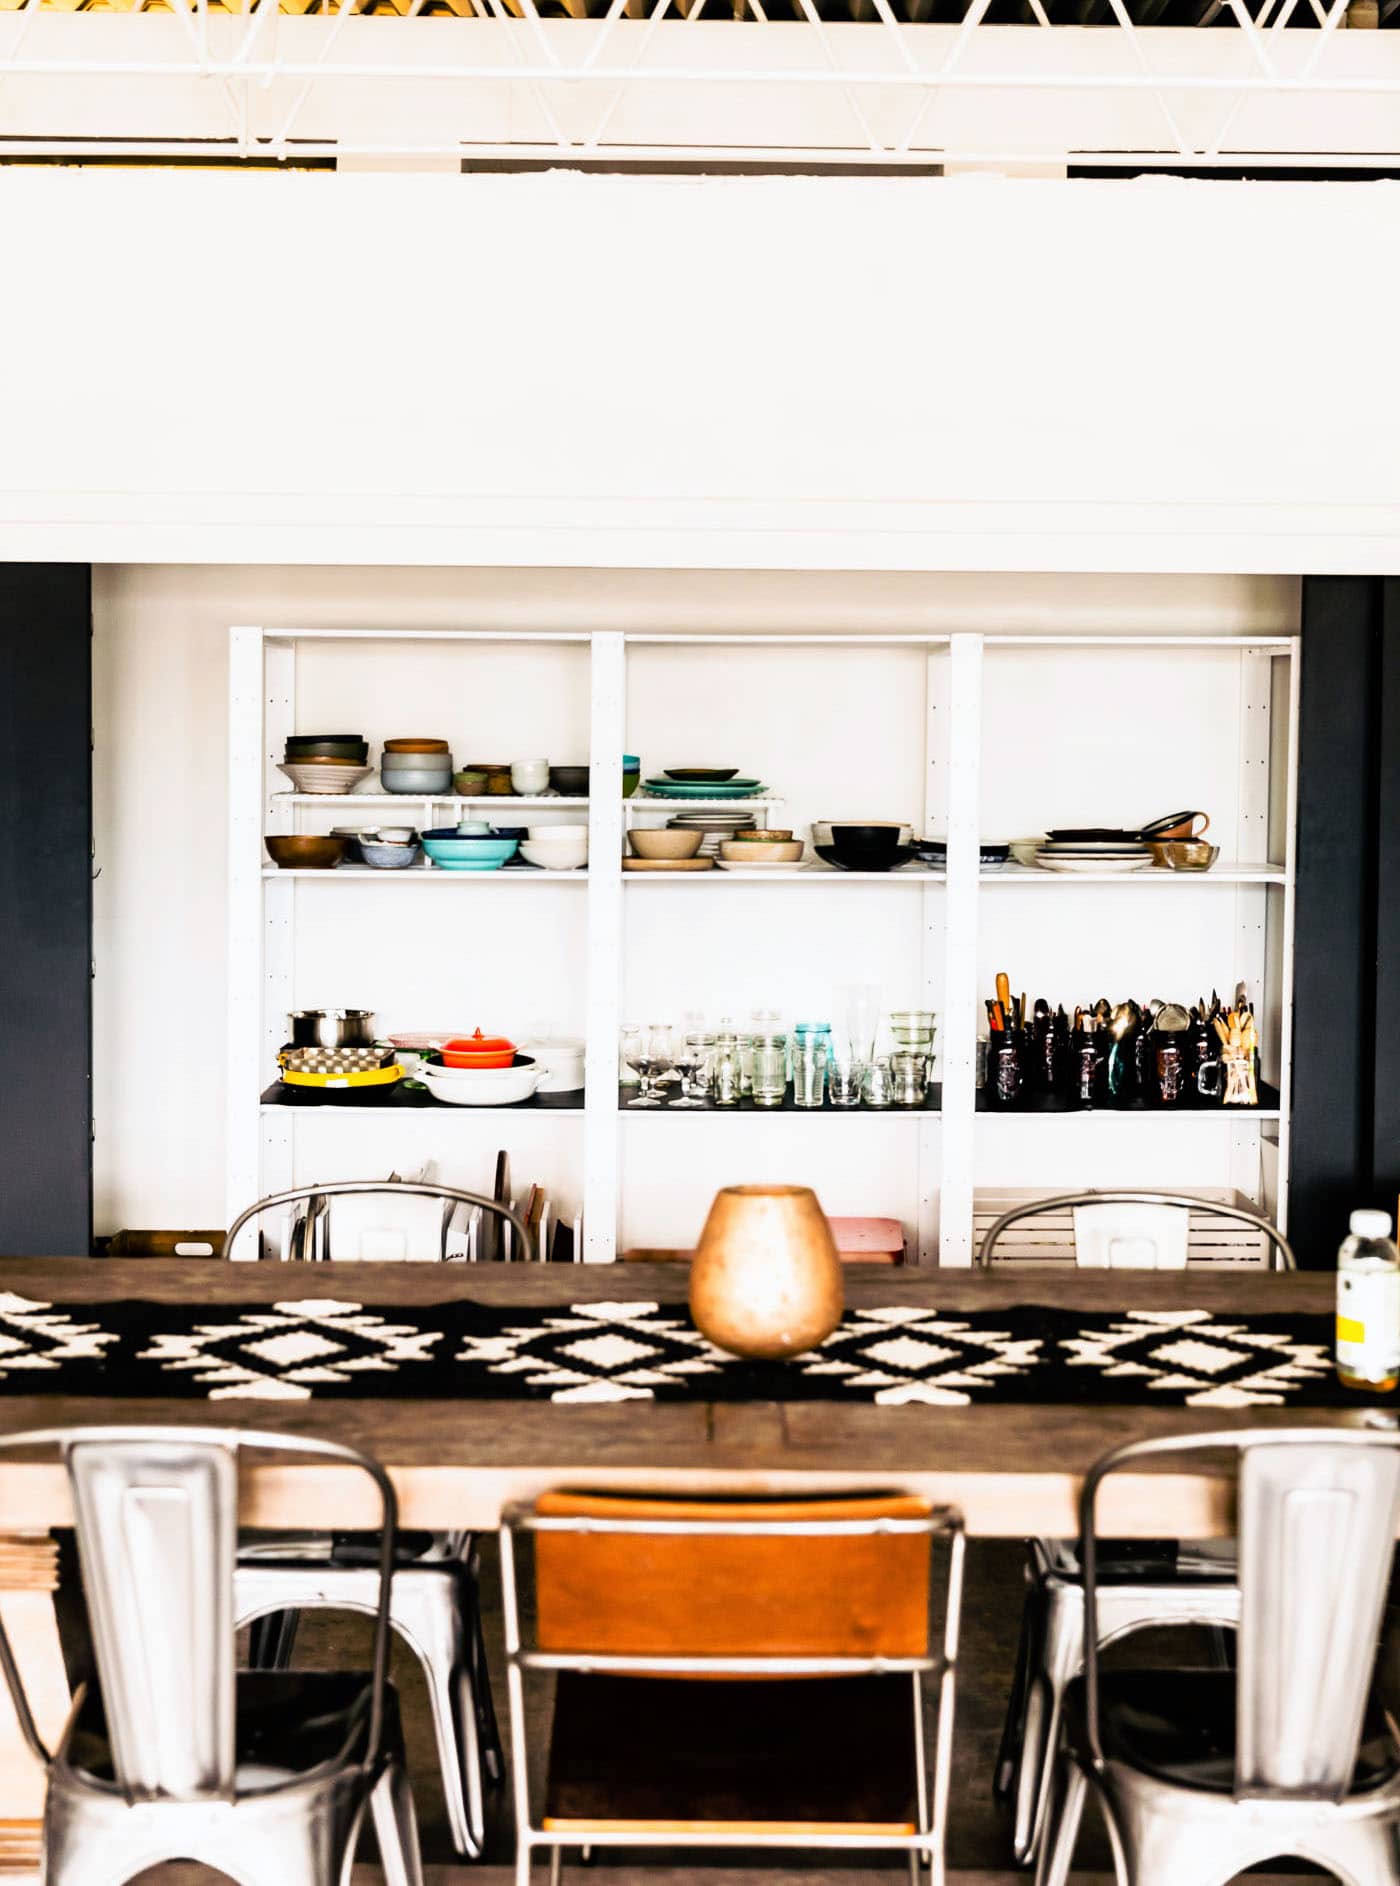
[[1013, 1468]]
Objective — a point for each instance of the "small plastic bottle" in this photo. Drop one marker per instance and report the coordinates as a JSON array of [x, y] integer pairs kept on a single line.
[[1368, 1305]]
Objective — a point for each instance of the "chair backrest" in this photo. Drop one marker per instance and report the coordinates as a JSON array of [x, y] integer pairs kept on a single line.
[[1280, 1250], [729, 1578], [388, 1188], [1318, 1514], [156, 1517]]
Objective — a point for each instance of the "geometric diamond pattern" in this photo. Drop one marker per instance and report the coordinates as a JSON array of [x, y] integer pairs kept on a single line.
[[1228, 1364], [287, 1351], [892, 1355]]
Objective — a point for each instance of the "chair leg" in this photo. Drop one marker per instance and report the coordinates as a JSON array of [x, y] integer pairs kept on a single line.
[[493, 1757], [556, 1865], [396, 1827], [1039, 1727], [272, 1640], [1009, 1757], [1060, 1834], [444, 1654]]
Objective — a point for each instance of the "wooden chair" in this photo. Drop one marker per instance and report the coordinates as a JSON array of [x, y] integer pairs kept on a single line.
[[735, 1673]]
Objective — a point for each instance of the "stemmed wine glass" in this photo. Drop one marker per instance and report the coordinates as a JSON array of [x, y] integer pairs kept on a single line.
[[690, 1059], [648, 1051]]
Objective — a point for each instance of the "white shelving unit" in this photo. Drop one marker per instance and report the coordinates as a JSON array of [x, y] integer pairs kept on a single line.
[[997, 736]]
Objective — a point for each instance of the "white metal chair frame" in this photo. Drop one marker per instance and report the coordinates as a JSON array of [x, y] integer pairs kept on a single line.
[[1152, 1822], [1054, 1654], [1281, 1251], [434, 1609], [332, 1814], [927, 1843], [412, 1188]]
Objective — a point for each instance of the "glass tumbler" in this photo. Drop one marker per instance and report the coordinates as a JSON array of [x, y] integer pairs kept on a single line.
[[769, 1070], [875, 1083], [843, 1082], [908, 1078], [809, 1060]]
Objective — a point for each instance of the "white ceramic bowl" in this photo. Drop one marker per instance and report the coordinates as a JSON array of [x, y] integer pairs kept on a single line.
[[557, 831], [325, 779], [561, 1058], [555, 855], [757, 851], [481, 1086], [529, 777]]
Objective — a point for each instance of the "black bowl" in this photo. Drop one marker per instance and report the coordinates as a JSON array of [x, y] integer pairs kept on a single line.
[[868, 840], [353, 752], [572, 781], [865, 861]]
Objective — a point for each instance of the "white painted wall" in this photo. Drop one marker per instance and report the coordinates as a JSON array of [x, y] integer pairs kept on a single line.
[[969, 373], [160, 657]]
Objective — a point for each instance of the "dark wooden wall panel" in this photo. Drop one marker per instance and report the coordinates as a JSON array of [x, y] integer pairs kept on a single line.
[[46, 908], [1335, 955]]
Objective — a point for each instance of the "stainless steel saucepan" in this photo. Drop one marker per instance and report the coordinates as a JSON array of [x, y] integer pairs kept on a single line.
[[332, 1027]]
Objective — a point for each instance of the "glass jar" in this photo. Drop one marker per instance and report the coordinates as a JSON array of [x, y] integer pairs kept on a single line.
[[769, 1070]]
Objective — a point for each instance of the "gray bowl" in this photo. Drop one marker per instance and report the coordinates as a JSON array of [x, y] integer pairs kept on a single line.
[[390, 857], [437, 783], [414, 762]]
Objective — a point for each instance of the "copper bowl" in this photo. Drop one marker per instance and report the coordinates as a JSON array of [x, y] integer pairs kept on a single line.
[[304, 851]]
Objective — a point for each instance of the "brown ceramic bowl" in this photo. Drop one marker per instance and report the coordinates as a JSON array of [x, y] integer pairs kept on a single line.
[[415, 746], [665, 844], [764, 835], [780, 851], [304, 851]]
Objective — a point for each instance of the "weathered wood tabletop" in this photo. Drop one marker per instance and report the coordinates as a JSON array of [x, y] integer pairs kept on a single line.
[[1013, 1468]]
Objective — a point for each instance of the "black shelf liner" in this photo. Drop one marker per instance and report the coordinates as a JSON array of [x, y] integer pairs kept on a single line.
[[934, 1104]]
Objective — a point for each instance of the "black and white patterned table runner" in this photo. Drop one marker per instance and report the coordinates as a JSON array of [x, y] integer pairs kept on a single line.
[[645, 1351]]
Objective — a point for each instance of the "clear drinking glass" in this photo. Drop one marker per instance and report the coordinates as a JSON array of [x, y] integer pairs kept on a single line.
[[648, 1050], [908, 1078], [843, 1077], [769, 1070], [863, 1019], [875, 1084], [809, 1061]]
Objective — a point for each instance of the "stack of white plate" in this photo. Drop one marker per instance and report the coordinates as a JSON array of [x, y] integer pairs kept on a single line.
[[1100, 856], [717, 826]]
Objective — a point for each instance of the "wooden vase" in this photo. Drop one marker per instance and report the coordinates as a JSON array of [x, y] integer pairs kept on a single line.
[[766, 1279]]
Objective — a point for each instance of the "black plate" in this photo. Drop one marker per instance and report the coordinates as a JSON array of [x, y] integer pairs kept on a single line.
[[1092, 835]]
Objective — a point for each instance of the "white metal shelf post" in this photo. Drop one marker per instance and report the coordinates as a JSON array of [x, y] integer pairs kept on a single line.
[[960, 944], [247, 682], [601, 1128]]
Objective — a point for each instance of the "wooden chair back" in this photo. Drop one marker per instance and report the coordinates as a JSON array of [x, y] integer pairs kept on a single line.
[[739, 1593]]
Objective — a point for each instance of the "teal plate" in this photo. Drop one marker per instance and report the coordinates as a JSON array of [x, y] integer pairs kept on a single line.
[[680, 789]]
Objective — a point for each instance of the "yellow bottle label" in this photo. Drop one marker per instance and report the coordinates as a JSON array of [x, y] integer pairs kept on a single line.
[[1368, 1324]]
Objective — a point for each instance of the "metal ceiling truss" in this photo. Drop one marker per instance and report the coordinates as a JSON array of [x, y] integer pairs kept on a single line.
[[896, 83]]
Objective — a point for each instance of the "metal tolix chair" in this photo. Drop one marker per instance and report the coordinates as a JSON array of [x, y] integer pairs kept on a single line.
[[1204, 1773], [735, 1674], [173, 1754], [435, 1607], [1140, 1588]]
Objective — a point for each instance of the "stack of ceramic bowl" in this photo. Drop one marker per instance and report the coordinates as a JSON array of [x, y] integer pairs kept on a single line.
[[871, 845], [665, 851], [481, 1071], [418, 766], [714, 827], [471, 846], [761, 851], [325, 762], [556, 847]]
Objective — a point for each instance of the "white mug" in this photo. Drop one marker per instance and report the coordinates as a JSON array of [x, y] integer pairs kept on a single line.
[[529, 776]]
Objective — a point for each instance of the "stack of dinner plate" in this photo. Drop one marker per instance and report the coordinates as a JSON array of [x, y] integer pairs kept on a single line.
[[717, 826], [1096, 849]]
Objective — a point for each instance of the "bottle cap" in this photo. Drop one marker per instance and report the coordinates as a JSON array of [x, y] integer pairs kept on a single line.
[[1370, 1224]]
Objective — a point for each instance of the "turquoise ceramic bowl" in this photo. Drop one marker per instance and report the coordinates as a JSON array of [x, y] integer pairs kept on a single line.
[[470, 854]]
